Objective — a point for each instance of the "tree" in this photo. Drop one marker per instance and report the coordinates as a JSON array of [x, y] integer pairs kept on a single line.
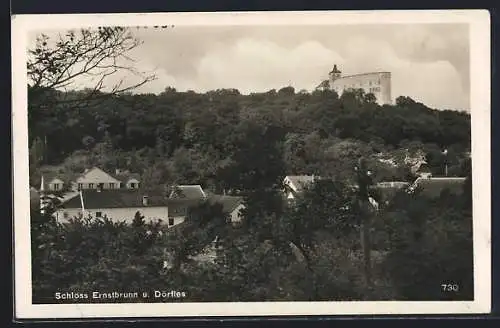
[[138, 220], [92, 54], [364, 182]]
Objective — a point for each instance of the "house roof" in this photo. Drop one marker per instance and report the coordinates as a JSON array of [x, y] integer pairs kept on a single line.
[[125, 176], [301, 181], [94, 199], [188, 192], [48, 178], [433, 186], [229, 203], [177, 205]]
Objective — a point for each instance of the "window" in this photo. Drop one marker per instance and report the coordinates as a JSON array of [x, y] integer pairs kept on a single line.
[[65, 215], [56, 186], [170, 221], [80, 186], [91, 186], [98, 214], [111, 185]]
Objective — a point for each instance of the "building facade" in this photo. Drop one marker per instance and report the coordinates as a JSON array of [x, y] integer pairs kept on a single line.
[[376, 83], [117, 205], [96, 178]]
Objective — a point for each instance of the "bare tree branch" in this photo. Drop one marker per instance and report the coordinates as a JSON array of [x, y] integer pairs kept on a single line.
[[91, 55]]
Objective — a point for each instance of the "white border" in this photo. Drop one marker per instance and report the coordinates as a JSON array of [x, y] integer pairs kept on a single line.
[[479, 22]]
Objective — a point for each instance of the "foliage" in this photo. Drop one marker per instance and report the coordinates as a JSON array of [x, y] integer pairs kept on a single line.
[[244, 145]]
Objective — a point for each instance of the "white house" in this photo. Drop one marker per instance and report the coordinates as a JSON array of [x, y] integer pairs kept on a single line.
[[117, 205], [96, 178], [52, 182], [295, 184], [232, 205]]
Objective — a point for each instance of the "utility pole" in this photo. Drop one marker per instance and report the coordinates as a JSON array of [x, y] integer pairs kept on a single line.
[[364, 181], [445, 153]]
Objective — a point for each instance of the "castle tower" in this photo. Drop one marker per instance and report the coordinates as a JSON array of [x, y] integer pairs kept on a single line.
[[335, 74]]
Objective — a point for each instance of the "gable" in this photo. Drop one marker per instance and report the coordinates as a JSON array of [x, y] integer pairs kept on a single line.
[[288, 183], [237, 210], [96, 175], [188, 192]]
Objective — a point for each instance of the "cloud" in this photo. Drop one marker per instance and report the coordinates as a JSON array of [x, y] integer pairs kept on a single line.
[[428, 62], [252, 65]]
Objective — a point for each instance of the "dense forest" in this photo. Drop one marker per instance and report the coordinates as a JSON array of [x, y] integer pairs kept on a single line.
[[215, 138], [229, 141]]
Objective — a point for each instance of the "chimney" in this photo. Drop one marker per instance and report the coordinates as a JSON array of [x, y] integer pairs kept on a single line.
[[145, 200], [117, 171]]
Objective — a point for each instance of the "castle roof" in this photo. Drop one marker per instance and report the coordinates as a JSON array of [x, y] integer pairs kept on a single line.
[[362, 74]]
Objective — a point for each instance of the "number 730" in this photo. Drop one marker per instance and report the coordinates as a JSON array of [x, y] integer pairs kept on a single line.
[[449, 287]]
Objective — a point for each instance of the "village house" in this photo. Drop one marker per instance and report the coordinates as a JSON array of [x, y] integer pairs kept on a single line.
[[95, 178], [122, 204], [231, 205], [294, 185], [187, 192], [53, 182], [117, 205]]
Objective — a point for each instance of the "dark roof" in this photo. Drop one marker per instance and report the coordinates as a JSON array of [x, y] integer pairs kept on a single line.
[[188, 192], [229, 203], [115, 199], [177, 205], [435, 185]]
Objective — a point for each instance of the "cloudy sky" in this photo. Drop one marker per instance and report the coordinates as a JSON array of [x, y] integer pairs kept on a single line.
[[429, 62]]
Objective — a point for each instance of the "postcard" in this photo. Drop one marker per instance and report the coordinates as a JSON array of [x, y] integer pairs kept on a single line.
[[251, 164]]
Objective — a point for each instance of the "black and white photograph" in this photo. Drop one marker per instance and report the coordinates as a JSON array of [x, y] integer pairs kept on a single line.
[[228, 164]]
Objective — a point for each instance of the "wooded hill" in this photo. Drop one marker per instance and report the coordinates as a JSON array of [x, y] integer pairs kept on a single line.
[[218, 137]]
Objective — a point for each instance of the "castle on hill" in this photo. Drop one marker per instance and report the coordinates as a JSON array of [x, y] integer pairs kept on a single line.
[[376, 83]]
